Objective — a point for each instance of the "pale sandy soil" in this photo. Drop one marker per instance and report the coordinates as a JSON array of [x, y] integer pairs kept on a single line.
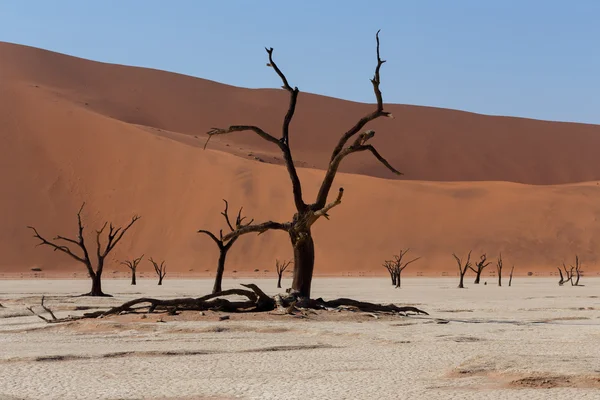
[[534, 340]]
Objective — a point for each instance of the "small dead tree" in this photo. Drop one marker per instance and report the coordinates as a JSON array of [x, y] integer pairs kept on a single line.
[[577, 271], [462, 268], [499, 269], [299, 228], [115, 234], [132, 265], [399, 265], [568, 274], [562, 280], [225, 245], [280, 267], [481, 264], [511, 275], [390, 266], [160, 269]]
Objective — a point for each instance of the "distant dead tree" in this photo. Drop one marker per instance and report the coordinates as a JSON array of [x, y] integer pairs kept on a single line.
[[511, 275], [462, 268], [223, 244], [114, 236], [354, 140], [280, 267], [570, 273], [132, 265], [577, 271], [568, 276], [483, 262], [160, 269], [399, 265], [499, 269], [390, 266]]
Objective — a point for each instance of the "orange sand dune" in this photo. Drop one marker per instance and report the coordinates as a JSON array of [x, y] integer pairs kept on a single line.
[[57, 151], [425, 143]]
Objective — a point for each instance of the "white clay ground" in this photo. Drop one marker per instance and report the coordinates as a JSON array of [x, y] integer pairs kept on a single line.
[[534, 340]]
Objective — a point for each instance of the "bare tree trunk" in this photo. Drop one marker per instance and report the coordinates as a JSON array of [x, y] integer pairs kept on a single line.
[[394, 278], [461, 284], [97, 285], [478, 277], [160, 278], [511, 275], [304, 262], [399, 280], [133, 282], [279, 280], [500, 277], [220, 270]]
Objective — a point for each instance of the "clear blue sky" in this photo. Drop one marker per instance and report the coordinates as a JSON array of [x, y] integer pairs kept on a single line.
[[530, 58]]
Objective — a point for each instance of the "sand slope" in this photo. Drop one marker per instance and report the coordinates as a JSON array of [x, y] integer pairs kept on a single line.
[[425, 143], [57, 151]]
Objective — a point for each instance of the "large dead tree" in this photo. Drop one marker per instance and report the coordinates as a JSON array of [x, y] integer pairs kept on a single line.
[[399, 265], [481, 264], [280, 267], [354, 140], [115, 234], [225, 245], [160, 269], [132, 265], [462, 269], [499, 269]]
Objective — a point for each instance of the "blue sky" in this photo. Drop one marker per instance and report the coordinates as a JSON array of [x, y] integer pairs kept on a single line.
[[529, 58]]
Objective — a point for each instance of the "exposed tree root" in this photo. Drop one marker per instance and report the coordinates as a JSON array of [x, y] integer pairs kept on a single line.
[[257, 301]]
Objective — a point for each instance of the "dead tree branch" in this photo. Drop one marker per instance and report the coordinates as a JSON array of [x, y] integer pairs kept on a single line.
[[255, 301], [511, 276], [462, 268]]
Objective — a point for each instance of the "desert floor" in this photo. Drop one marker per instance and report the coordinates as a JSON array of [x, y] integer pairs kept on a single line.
[[534, 340]]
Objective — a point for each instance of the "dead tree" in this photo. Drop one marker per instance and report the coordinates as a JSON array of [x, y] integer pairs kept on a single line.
[[280, 268], [399, 266], [132, 265], [483, 262], [225, 245], [568, 275], [389, 265], [354, 140], [511, 275], [114, 236], [577, 271], [160, 269], [499, 269], [462, 268]]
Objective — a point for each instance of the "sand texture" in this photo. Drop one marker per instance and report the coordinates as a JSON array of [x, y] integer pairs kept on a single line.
[[534, 340], [129, 140]]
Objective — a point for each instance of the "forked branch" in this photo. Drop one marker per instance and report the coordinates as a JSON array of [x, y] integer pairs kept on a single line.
[[376, 81]]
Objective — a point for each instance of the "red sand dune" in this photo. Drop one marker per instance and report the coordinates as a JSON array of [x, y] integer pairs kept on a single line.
[[123, 139]]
